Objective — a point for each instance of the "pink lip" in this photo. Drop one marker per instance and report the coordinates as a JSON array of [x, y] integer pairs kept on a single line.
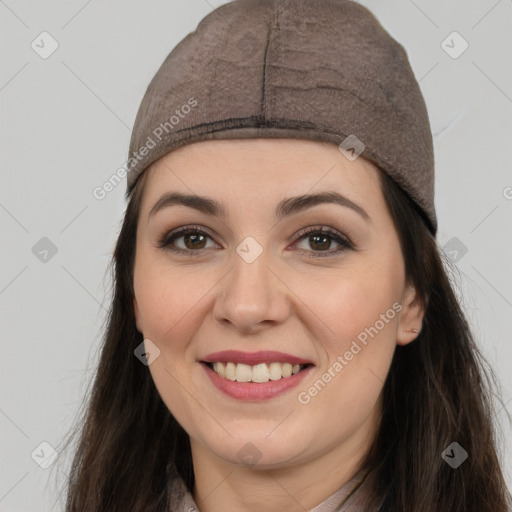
[[253, 391], [254, 358]]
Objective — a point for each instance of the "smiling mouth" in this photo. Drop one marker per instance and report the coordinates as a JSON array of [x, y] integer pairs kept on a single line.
[[259, 373]]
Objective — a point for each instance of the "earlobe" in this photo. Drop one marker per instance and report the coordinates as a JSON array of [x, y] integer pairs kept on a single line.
[[411, 317]]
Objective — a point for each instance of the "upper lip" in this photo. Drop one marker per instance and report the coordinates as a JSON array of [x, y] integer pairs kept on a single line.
[[254, 358]]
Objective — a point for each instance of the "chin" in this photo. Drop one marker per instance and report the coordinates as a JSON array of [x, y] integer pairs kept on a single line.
[[259, 452]]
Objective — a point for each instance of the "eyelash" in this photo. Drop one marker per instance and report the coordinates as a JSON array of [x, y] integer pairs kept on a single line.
[[165, 241]]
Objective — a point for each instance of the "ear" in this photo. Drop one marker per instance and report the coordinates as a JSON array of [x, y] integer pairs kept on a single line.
[[411, 317], [137, 314]]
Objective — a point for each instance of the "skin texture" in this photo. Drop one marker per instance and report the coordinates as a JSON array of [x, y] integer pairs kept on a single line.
[[311, 307]]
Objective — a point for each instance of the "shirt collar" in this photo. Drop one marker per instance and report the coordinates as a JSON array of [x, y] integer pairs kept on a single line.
[[181, 499]]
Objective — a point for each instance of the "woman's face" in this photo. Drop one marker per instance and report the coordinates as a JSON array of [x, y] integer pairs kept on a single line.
[[259, 276]]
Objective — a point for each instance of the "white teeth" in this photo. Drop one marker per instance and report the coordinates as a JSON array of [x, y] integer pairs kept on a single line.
[[258, 373], [286, 369], [231, 371], [275, 371], [243, 373], [220, 369]]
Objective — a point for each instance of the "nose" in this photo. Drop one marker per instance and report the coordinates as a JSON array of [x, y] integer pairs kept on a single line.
[[252, 295]]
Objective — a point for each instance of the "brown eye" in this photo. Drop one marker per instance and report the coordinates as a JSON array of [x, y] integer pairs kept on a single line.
[[320, 242], [194, 240], [320, 239]]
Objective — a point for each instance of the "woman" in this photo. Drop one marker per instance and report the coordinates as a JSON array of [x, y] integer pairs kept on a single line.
[[283, 334]]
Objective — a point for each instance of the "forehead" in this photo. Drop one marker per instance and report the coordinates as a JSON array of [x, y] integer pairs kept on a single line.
[[260, 169]]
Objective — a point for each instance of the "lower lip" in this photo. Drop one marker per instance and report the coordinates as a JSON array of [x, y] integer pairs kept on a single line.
[[253, 391]]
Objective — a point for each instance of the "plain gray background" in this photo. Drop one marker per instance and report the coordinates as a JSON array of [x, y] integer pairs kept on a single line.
[[65, 127]]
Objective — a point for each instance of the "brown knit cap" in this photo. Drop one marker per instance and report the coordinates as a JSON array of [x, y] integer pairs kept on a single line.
[[322, 70]]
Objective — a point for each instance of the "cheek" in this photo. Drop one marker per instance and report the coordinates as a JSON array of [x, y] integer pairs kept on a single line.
[[167, 300], [356, 321], [350, 304], [169, 310]]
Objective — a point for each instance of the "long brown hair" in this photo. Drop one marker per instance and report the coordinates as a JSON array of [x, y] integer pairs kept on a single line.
[[439, 390]]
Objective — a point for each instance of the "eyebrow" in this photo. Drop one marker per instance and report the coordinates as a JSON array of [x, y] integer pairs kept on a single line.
[[287, 207]]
